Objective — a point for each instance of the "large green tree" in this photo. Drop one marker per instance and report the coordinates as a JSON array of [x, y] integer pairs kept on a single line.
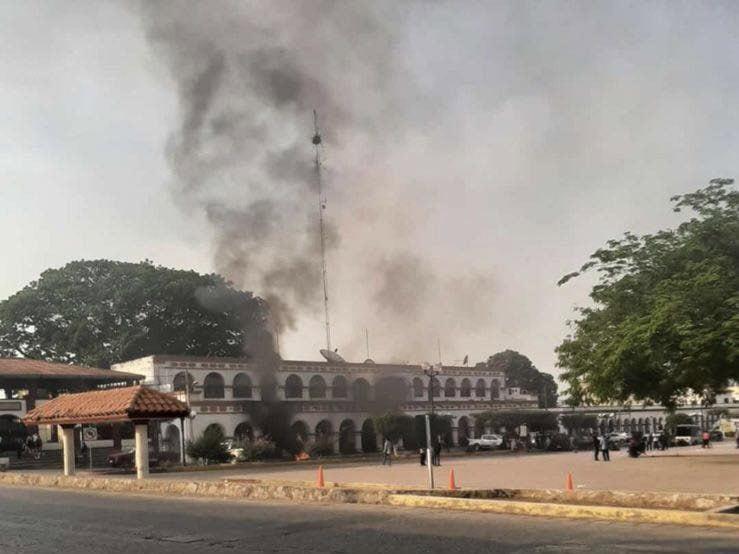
[[664, 318], [101, 312], [521, 372]]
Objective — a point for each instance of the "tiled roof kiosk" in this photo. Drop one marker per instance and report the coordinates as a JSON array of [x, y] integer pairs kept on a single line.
[[136, 404]]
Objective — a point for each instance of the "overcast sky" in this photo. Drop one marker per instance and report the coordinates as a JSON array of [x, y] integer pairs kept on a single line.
[[498, 143]]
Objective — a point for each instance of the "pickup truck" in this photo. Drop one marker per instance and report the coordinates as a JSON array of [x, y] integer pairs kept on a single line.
[[485, 442]]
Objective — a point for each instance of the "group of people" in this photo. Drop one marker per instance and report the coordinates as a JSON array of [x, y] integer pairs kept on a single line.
[[388, 450], [31, 444]]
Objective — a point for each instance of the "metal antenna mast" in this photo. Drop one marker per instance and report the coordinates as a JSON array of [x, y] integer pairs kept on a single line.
[[321, 206]]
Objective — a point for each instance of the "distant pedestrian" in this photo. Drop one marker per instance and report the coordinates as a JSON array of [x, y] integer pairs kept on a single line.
[[387, 452], [706, 440], [437, 452], [603, 443], [649, 441], [422, 456], [596, 446]]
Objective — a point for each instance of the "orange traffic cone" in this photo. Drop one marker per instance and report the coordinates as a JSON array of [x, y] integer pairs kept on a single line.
[[570, 485], [320, 482], [452, 484]]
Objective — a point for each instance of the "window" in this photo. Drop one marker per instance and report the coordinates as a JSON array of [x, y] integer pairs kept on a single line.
[[494, 390], [242, 386], [436, 387], [465, 390], [293, 387], [361, 390], [339, 387], [317, 387], [178, 383], [450, 388], [480, 388], [417, 388], [213, 386]]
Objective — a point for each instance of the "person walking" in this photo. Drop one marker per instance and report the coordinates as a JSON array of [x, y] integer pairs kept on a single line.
[[706, 440], [603, 443], [596, 446], [387, 452], [422, 456], [437, 451]]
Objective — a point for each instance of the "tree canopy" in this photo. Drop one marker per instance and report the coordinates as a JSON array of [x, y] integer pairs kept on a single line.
[[521, 372], [664, 319], [512, 419], [101, 312]]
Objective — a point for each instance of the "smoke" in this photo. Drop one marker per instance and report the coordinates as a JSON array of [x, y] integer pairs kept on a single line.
[[248, 76]]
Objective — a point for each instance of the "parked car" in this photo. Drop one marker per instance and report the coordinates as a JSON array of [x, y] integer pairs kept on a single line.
[[127, 459], [485, 442], [618, 438]]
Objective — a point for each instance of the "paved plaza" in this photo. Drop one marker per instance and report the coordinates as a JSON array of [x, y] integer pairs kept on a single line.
[[677, 470]]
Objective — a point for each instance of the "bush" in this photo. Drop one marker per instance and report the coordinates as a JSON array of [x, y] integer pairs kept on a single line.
[[322, 446], [258, 449], [209, 447]]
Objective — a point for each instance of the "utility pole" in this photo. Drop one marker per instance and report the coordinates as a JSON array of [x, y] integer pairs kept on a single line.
[[321, 206]]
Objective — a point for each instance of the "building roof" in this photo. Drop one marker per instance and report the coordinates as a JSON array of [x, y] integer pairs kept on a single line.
[[25, 368], [122, 404]]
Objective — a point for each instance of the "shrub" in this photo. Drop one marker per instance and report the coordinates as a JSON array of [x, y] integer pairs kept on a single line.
[[322, 446], [209, 447], [258, 449]]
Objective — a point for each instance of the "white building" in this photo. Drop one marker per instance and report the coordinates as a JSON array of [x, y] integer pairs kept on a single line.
[[333, 399]]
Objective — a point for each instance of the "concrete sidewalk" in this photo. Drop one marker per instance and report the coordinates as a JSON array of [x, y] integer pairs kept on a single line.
[[677, 470]]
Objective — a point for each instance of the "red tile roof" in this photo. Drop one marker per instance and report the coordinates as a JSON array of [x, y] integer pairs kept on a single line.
[[24, 368], [123, 404]]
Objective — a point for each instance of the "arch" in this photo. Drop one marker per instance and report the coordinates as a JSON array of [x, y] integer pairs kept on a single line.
[[417, 387], [361, 389], [634, 428], [242, 386], [317, 387], [178, 383], [244, 432], [610, 425], [648, 425], [324, 428], [463, 431], [171, 441], [450, 388], [213, 386], [480, 388], [293, 387], [339, 387], [465, 389], [301, 430], [11, 430], [479, 427], [494, 389], [215, 428], [436, 387], [369, 436], [640, 427], [347, 444]]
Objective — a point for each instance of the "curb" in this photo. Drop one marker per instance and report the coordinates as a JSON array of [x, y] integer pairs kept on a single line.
[[631, 515], [371, 494]]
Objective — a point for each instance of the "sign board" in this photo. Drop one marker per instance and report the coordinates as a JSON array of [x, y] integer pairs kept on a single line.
[[90, 433]]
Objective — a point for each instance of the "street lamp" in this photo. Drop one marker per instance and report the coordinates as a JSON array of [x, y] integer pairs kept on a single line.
[[432, 372]]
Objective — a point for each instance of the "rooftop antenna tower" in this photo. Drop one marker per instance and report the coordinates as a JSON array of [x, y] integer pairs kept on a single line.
[[321, 206]]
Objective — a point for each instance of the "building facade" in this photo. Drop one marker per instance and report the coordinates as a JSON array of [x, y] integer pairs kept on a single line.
[[330, 399]]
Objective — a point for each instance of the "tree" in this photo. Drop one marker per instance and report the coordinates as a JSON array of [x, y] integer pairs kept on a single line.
[[665, 314], [392, 426], [522, 373], [209, 447], [101, 312], [512, 419], [579, 422]]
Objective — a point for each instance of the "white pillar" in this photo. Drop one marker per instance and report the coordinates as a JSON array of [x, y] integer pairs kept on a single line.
[[142, 450], [455, 436], [67, 433], [358, 441], [335, 441]]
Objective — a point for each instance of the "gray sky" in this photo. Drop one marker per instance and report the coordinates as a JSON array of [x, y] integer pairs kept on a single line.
[[475, 152]]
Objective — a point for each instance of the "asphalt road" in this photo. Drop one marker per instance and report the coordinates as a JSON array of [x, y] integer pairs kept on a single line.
[[39, 521]]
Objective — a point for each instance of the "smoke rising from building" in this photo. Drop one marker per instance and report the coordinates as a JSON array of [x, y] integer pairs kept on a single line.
[[248, 78]]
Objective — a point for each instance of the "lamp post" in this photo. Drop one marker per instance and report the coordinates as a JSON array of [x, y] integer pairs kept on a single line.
[[432, 372]]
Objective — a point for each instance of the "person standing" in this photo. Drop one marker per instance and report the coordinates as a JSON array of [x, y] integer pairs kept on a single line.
[[596, 446], [603, 443], [706, 440], [387, 452], [437, 452]]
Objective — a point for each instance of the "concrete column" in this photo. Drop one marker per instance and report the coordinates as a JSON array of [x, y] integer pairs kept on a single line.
[[142, 450], [455, 436], [358, 441], [335, 441], [67, 434]]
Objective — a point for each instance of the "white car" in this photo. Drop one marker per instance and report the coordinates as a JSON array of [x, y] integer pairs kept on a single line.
[[486, 442]]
